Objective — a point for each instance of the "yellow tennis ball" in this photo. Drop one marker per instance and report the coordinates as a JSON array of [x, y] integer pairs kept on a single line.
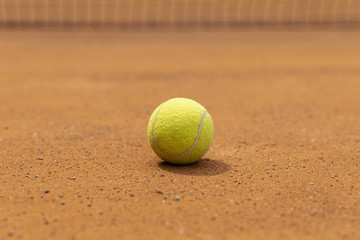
[[180, 131]]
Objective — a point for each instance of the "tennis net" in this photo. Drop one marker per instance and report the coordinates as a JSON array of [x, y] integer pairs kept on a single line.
[[128, 14]]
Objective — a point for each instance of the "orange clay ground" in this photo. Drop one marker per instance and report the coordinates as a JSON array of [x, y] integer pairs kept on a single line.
[[75, 162]]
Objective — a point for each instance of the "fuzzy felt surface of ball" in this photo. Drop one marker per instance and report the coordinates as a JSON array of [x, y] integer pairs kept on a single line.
[[180, 131]]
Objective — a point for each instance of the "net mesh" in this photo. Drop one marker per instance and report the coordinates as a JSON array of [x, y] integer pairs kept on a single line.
[[178, 13]]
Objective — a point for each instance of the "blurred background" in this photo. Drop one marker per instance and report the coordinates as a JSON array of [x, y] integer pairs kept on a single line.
[[178, 14]]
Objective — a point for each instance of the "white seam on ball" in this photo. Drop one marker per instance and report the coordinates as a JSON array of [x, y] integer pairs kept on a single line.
[[182, 154]]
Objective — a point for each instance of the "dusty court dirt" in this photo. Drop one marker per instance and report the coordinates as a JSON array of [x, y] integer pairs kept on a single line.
[[75, 162]]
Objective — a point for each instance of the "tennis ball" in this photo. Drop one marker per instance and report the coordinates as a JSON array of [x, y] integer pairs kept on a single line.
[[180, 131]]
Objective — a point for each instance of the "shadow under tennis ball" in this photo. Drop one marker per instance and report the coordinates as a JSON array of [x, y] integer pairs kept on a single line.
[[203, 167]]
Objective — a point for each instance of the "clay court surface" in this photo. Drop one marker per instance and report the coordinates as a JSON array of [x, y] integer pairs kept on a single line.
[[75, 162]]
